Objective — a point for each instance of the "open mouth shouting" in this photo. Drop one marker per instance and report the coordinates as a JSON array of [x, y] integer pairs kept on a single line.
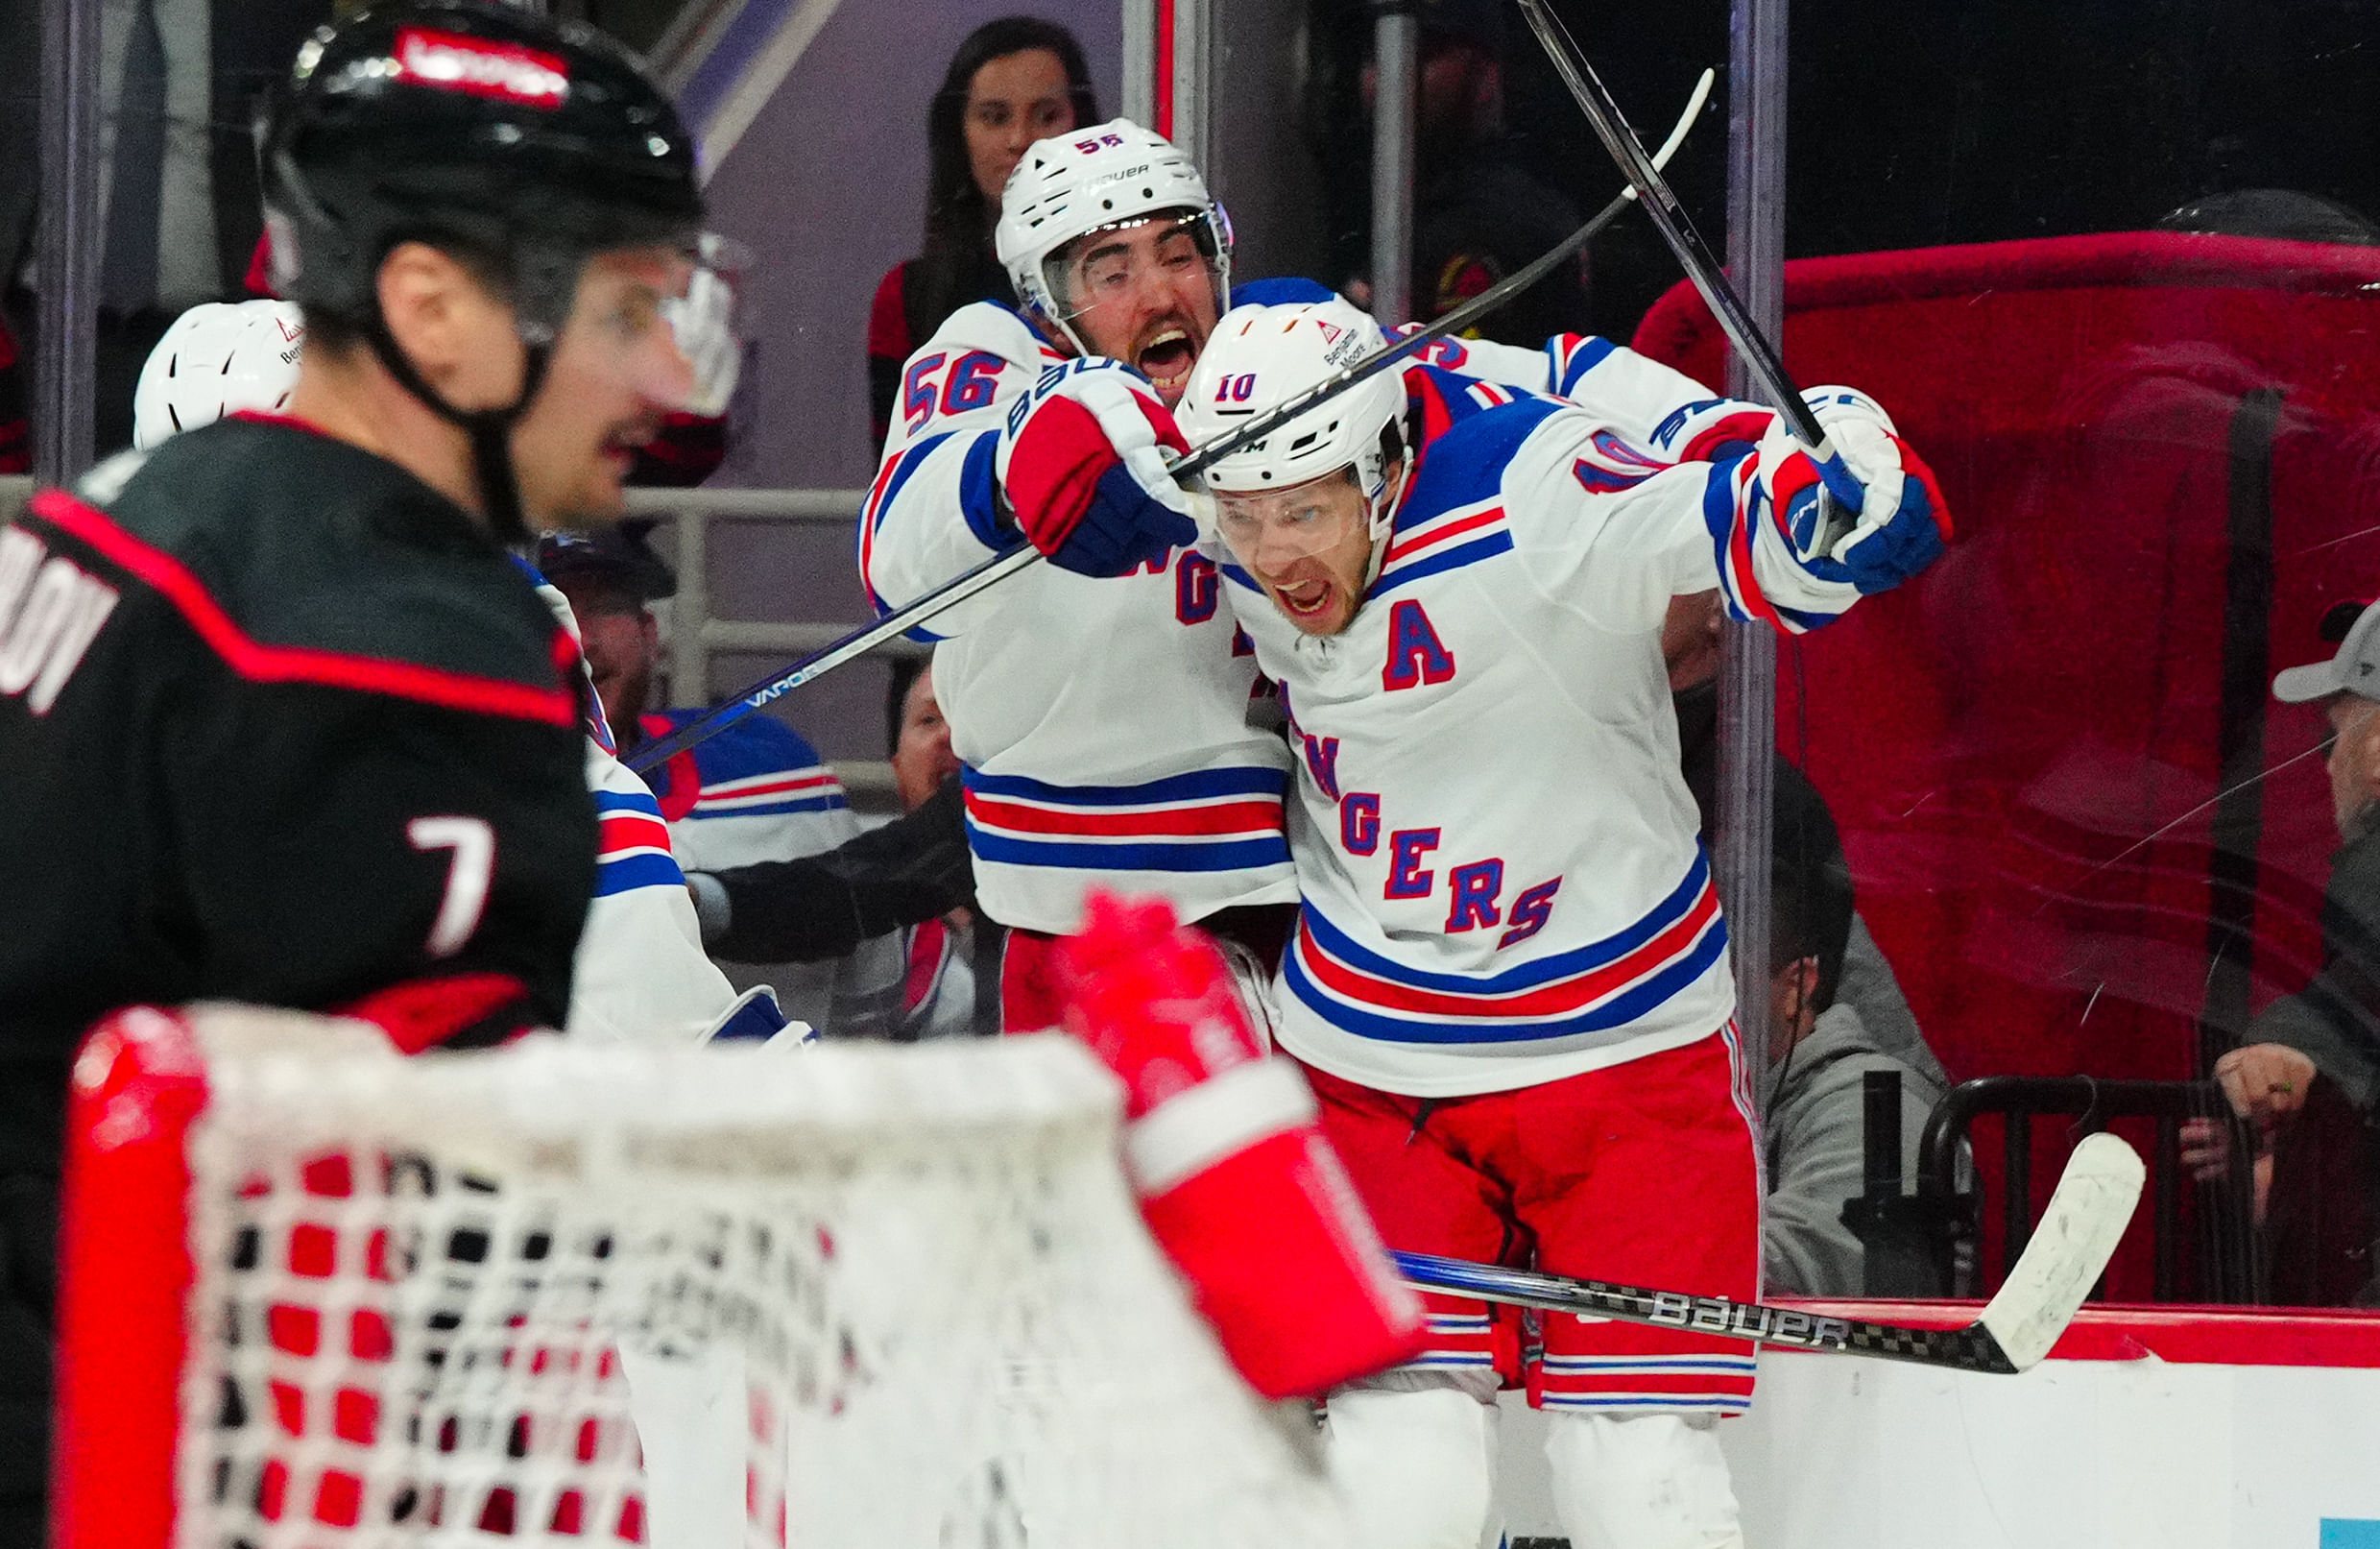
[[1310, 598], [1165, 359]]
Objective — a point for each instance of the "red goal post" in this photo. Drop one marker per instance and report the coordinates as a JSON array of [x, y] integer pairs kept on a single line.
[[315, 1293]]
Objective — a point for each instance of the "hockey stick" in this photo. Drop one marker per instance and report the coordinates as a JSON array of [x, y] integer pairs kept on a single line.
[[2065, 1257], [1842, 494], [999, 567]]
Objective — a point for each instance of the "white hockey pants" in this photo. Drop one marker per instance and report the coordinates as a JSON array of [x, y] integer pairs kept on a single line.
[[1415, 1464], [1414, 1456], [1645, 1482]]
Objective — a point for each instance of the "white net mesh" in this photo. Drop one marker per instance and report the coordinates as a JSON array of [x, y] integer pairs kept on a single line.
[[866, 1296]]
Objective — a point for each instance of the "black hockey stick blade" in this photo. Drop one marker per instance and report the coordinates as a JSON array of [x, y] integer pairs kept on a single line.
[[1760, 357], [2064, 1259], [758, 696]]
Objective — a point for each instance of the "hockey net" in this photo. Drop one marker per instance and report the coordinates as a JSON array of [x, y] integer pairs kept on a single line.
[[315, 1293]]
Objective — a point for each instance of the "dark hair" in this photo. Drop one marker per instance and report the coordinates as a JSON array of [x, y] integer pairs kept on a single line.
[[955, 264], [904, 675], [1809, 900]]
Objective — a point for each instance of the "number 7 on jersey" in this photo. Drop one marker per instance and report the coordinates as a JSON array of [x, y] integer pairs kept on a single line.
[[473, 843]]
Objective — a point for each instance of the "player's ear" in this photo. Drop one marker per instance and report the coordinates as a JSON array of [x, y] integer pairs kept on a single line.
[[442, 317]]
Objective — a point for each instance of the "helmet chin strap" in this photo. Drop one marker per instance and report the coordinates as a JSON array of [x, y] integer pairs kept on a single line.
[[490, 430], [1382, 513], [1066, 330], [1382, 532]]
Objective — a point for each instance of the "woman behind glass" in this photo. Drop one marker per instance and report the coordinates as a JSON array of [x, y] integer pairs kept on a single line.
[[1012, 82]]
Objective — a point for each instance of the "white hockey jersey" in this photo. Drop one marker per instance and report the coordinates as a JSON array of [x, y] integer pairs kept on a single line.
[[639, 974], [755, 791], [1502, 879], [1103, 723]]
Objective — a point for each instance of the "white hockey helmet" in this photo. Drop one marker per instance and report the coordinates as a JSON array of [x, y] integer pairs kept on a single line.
[[1089, 180], [1262, 356], [217, 359]]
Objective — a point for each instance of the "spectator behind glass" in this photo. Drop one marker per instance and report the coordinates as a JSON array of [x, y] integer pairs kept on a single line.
[[1817, 1055], [952, 984], [1012, 82], [2323, 1044], [1479, 212], [921, 751]]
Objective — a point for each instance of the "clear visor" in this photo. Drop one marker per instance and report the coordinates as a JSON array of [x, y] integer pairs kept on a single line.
[[661, 323], [706, 319], [1170, 251], [1268, 529]]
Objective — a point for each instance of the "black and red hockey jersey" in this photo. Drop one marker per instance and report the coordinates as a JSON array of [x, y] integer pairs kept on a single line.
[[278, 723], [281, 724]]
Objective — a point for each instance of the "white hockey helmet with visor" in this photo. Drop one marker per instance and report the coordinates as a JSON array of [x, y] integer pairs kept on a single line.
[[1107, 176], [1260, 357]]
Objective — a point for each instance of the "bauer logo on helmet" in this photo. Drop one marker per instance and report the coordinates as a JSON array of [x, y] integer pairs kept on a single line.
[[449, 61]]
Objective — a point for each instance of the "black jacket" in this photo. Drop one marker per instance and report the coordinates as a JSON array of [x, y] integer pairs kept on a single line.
[[2335, 1020], [819, 906], [278, 723]]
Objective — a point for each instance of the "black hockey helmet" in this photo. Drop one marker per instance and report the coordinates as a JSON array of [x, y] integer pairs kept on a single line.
[[527, 144]]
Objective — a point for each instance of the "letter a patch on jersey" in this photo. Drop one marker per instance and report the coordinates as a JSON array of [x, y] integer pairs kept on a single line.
[[1415, 654]]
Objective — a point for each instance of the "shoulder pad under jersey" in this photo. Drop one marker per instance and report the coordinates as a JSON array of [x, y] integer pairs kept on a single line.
[[992, 328]]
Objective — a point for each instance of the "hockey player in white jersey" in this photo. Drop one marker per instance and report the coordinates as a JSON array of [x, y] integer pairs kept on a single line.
[[1100, 703], [1509, 980]]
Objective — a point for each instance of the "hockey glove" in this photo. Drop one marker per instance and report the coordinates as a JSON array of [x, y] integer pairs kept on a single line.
[[1081, 467], [1903, 523], [754, 1018], [1236, 1180], [1715, 429]]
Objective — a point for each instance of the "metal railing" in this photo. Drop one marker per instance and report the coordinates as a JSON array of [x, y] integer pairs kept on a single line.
[[691, 633], [2225, 1252]]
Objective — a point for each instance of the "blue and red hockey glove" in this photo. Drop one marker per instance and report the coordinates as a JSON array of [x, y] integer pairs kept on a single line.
[[1903, 522], [1082, 464]]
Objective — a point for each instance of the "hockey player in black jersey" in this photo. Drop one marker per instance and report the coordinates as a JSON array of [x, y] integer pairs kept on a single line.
[[280, 719]]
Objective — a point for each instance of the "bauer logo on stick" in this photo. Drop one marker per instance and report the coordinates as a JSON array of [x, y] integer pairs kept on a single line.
[[449, 61]]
